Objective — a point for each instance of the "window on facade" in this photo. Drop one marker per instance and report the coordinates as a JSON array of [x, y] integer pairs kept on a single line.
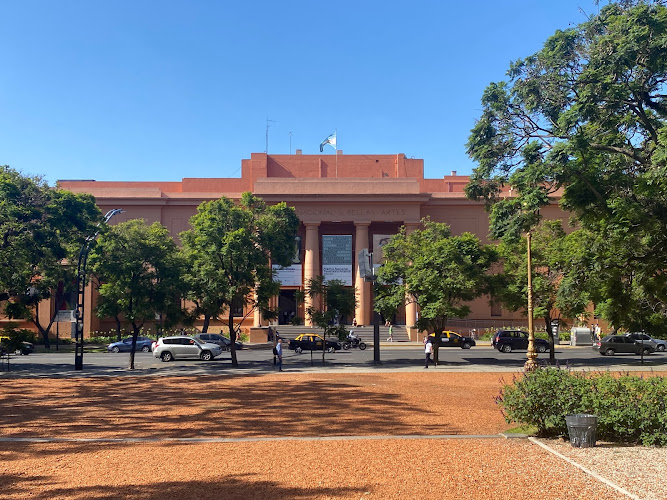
[[496, 309], [237, 309]]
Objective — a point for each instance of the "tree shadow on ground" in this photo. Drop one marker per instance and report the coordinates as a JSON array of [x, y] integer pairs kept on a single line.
[[229, 487], [213, 407]]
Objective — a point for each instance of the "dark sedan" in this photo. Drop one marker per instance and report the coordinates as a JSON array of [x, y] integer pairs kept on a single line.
[[453, 339], [313, 342], [622, 344], [125, 345], [221, 340], [510, 340]]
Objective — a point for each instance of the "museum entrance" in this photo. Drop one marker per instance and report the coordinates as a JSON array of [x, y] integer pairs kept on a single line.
[[286, 307]]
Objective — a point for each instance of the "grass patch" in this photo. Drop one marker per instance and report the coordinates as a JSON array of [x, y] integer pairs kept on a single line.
[[530, 430]]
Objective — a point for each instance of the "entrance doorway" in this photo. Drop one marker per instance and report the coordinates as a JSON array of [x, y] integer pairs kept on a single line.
[[286, 307]]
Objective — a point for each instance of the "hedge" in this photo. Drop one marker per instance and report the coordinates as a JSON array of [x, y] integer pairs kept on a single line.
[[630, 408]]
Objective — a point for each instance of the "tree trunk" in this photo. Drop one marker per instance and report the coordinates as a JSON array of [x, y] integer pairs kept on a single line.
[[207, 321], [117, 328], [133, 349], [40, 329], [550, 333], [232, 338]]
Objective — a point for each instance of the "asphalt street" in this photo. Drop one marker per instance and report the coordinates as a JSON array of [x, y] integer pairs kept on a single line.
[[260, 360]]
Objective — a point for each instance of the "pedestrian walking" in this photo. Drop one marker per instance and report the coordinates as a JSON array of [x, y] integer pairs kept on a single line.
[[391, 332], [279, 353], [428, 350]]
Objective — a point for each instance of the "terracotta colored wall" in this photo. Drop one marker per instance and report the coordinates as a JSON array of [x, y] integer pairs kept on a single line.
[[335, 190]]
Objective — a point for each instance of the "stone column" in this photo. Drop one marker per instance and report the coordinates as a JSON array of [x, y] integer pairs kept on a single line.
[[411, 307], [311, 262], [256, 315], [363, 311]]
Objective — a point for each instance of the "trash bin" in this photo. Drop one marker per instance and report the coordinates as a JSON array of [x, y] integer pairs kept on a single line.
[[581, 428]]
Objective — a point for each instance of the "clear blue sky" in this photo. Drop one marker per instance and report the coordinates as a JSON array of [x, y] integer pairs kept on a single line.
[[165, 89]]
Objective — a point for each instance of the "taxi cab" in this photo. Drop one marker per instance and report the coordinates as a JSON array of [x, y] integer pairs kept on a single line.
[[6, 343], [453, 339], [313, 342]]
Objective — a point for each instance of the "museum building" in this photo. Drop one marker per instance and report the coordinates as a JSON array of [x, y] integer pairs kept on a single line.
[[346, 203]]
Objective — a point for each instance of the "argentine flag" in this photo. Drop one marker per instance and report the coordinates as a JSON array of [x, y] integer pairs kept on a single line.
[[329, 140]]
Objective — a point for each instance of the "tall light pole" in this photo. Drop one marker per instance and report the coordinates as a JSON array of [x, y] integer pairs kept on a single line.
[[531, 364], [367, 270], [81, 288]]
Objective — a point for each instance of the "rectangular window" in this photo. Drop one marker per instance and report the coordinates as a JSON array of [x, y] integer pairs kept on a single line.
[[496, 309]]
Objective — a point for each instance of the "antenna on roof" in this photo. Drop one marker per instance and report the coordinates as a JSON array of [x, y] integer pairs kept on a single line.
[[268, 124]]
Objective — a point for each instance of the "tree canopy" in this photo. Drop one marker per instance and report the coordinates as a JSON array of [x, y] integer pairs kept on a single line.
[[438, 271], [229, 251], [560, 265], [583, 121], [337, 302], [138, 271], [41, 231]]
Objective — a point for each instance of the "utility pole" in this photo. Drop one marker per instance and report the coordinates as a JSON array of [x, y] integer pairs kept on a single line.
[[81, 288], [367, 270]]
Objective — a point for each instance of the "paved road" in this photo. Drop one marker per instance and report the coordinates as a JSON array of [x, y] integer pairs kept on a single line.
[[260, 360]]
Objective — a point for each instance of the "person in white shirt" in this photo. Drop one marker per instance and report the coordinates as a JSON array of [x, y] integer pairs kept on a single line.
[[279, 354], [428, 350]]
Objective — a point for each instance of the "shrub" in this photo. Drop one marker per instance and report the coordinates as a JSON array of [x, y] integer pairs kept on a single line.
[[629, 408], [16, 337]]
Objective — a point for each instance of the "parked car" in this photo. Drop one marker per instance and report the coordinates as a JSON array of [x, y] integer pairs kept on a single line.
[[125, 345], [221, 340], [622, 344], [509, 340], [184, 346], [313, 342], [453, 339], [660, 345], [23, 348]]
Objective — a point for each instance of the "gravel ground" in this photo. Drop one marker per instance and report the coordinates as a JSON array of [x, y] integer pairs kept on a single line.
[[262, 411]]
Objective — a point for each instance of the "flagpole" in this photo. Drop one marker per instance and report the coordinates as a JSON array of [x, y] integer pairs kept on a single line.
[[336, 148]]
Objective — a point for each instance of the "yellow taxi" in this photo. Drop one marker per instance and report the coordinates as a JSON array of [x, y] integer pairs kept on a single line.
[[313, 342], [453, 339]]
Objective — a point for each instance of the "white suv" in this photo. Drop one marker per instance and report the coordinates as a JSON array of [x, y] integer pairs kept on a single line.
[[183, 346]]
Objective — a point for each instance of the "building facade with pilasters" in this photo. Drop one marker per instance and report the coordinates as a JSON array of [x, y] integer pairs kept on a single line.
[[346, 203]]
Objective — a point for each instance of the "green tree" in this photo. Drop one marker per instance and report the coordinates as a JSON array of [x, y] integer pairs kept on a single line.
[[138, 270], [41, 232], [229, 251], [585, 118], [436, 270], [559, 288], [331, 302]]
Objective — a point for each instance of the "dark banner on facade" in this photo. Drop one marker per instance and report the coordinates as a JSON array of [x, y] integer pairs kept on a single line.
[[337, 258]]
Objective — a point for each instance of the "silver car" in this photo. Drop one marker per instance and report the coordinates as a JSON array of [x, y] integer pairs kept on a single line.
[[184, 346]]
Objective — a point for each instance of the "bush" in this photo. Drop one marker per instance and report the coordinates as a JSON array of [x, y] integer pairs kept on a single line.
[[102, 339], [629, 408], [15, 337]]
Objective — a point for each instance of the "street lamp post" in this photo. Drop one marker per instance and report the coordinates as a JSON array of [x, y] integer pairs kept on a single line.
[[367, 270], [81, 287], [530, 364], [376, 316]]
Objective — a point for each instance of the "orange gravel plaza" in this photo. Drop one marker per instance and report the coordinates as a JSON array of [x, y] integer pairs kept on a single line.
[[262, 410]]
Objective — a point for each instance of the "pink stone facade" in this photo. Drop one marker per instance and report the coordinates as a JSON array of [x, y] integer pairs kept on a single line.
[[355, 195]]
